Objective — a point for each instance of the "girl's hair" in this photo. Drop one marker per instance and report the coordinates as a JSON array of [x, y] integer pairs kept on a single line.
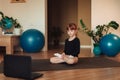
[[72, 26]]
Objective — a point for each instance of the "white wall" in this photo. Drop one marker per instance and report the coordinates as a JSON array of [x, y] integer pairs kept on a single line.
[[104, 11], [30, 14]]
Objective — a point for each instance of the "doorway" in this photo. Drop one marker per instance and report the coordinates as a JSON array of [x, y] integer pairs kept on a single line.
[[60, 14]]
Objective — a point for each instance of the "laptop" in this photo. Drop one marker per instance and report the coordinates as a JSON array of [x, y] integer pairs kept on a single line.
[[19, 66]]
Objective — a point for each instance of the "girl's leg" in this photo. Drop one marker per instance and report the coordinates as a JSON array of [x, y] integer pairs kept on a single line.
[[73, 60], [56, 60]]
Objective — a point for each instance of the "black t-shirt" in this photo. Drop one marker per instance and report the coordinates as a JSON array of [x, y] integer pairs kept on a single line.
[[72, 47]]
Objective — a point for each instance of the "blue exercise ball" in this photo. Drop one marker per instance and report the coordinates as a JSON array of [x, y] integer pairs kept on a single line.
[[32, 40], [110, 45]]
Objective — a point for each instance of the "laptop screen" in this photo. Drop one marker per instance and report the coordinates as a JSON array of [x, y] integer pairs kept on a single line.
[[17, 66]]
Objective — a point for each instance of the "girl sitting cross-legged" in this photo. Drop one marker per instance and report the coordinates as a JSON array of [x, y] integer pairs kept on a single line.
[[71, 48]]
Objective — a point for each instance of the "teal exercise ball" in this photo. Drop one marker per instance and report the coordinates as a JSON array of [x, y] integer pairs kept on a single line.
[[32, 40], [110, 45]]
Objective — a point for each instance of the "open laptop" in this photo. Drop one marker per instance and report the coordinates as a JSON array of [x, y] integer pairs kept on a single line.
[[19, 66]]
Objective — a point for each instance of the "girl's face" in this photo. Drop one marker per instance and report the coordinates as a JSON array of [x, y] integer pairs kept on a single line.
[[71, 33]]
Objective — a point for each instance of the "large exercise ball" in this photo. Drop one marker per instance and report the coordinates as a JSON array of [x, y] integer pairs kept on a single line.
[[110, 45], [32, 40]]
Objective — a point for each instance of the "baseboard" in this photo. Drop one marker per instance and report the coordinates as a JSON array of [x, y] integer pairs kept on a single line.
[[86, 46]]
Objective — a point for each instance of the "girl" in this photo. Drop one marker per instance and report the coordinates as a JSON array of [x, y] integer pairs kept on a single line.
[[71, 49]]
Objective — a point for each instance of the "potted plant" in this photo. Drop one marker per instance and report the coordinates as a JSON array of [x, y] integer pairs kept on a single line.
[[99, 31], [6, 23], [9, 25]]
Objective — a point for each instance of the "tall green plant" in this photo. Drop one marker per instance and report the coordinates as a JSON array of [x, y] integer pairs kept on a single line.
[[99, 31]]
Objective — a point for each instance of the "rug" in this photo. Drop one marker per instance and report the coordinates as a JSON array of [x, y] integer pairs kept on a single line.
[[83, 63]]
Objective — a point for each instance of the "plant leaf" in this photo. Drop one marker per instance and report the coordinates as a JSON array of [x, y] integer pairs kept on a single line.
[[82, 24], [2, 14], [113, 24]]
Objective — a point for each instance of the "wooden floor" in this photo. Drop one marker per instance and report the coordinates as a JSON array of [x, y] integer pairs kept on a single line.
[[75, 74]]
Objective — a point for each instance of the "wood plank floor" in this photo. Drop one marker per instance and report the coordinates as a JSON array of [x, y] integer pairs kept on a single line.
[[75, 74]]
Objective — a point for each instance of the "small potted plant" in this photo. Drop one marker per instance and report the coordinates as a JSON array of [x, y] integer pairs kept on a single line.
[[9, 25], [6, 23]]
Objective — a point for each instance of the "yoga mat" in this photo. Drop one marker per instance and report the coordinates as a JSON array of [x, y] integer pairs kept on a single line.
[[83, 63]]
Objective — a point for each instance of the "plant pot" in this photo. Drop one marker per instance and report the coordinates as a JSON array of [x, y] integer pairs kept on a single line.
[[96, 50], [17, 31]]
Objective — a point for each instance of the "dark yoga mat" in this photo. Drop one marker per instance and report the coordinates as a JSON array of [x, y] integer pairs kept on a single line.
[[84, 63]]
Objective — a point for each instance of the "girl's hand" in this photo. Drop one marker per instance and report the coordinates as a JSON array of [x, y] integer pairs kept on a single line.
[[64, 57]]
